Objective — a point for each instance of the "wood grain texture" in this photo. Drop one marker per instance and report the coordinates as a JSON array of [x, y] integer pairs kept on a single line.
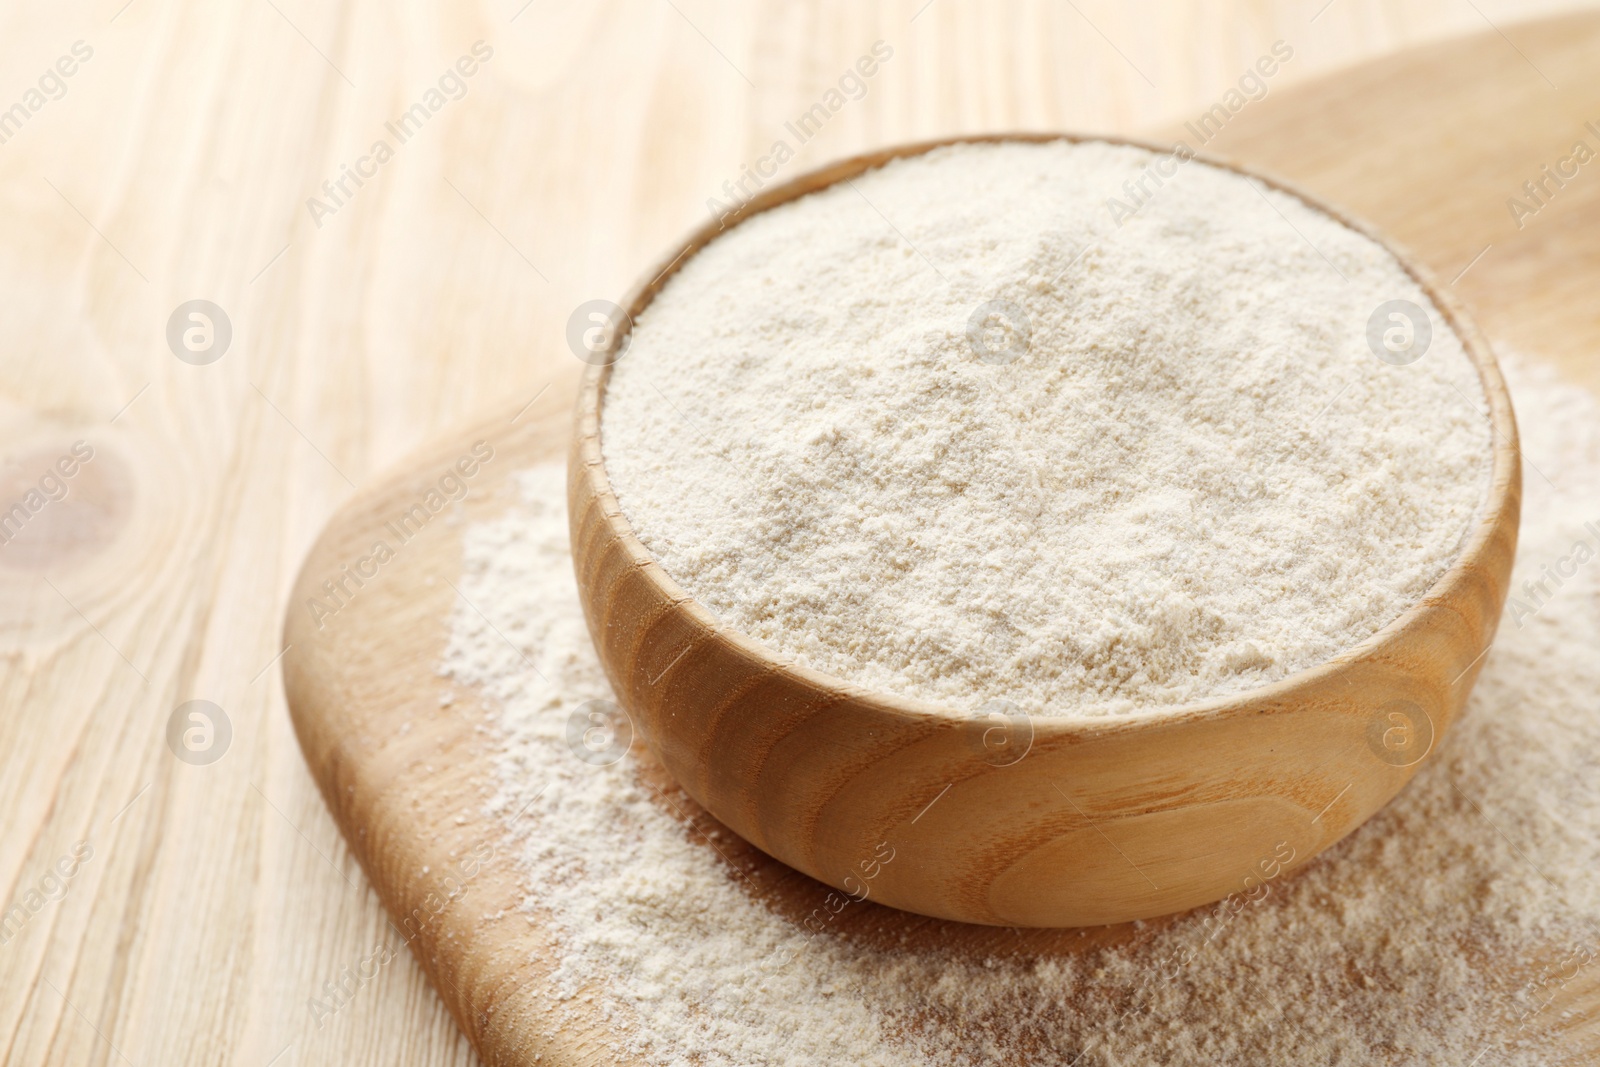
[[178, 164], [1000, 821], [494, 983], [405, 773]]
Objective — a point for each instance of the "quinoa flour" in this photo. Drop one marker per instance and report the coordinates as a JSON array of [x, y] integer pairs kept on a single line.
[[1430, 935], [1194, 478]]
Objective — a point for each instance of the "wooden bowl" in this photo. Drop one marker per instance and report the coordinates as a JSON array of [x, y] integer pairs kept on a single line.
[[1042, 821]]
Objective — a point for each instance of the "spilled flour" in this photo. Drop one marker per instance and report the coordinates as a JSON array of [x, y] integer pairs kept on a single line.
[[949, 430], [1438, 933]]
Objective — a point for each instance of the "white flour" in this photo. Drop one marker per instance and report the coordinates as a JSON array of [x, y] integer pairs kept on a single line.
[[1418, 940], [1198, 478]]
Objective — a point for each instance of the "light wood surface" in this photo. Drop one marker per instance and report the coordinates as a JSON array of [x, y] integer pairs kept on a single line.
[[407, 780], [823, 774], [177, 165]]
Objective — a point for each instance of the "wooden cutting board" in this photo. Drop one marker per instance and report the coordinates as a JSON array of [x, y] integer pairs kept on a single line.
[[1428, 145]]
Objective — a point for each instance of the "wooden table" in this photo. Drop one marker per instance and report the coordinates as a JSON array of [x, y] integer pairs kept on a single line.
[[175, 910]]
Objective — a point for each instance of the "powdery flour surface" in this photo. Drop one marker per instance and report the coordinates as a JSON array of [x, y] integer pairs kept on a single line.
[[1427, 937], [1196, 480]]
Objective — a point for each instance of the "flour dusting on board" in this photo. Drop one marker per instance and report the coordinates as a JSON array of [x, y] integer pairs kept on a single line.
[[1437, 933]]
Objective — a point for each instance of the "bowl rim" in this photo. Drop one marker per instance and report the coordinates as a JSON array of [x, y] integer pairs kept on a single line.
[[1499, 507]]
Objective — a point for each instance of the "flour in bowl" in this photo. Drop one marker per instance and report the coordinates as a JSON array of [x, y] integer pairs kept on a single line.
[[1179, 472], [1453, 928]]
